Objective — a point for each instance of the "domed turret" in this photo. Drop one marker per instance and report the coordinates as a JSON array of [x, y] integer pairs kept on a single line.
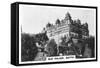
[[67, 16], [68, 19], [57, 22], [48, 25]]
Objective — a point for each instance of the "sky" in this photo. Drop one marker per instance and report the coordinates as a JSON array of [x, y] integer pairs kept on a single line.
[[33, 18]]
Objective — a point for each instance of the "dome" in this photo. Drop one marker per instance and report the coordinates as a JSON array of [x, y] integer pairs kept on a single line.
[[67, 16], [57, 22]]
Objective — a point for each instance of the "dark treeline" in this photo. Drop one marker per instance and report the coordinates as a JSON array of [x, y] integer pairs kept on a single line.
[[87, 47], [29, 49], [91, 44]]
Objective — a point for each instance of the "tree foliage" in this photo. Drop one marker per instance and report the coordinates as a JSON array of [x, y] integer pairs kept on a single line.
[[28, 48], [52, 48], [91, 44]]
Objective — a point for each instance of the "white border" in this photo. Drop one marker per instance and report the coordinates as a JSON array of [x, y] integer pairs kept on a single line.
[[49, 60]]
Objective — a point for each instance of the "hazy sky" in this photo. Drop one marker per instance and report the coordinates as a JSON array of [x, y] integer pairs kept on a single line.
[[33, 18]]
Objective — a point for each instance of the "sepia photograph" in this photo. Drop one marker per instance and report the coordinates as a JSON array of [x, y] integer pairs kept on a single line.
[[56, 33]]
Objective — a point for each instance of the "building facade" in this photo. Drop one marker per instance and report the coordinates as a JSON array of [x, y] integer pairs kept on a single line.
[[67, 28]]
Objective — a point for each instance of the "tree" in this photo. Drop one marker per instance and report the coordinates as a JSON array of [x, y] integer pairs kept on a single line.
[[41, 38], [51, 48], [78, 23], [28, 48], [91, 44], [86, 25]]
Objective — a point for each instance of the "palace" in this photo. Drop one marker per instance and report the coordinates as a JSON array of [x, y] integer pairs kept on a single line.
[[67, 28]]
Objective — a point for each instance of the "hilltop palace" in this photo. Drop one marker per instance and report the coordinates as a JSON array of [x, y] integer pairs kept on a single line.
[[67, 27]]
